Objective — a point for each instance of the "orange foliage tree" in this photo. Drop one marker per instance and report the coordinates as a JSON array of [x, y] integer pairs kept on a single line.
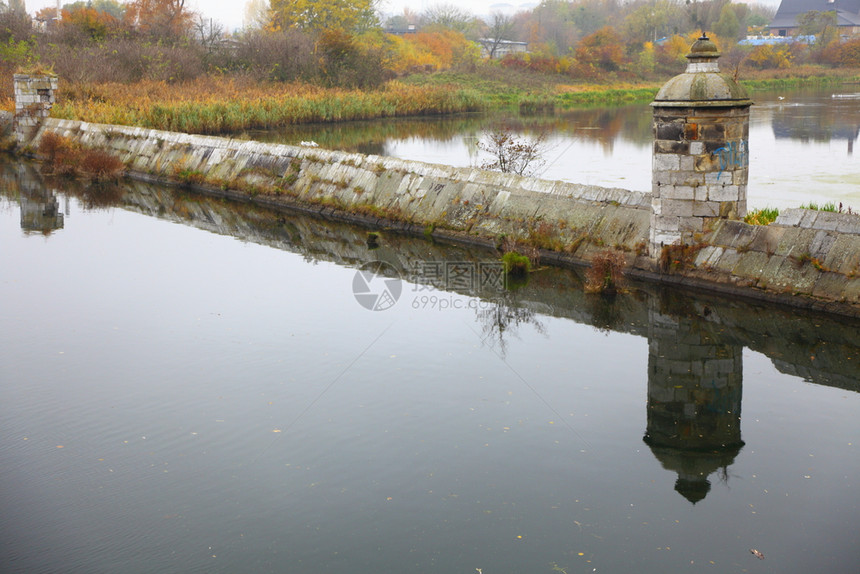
[[163, 19], [90, 22], [601, 50], [441, 49]]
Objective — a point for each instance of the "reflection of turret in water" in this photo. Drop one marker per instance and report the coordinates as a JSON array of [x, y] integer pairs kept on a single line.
[[40, 210], [694, 402]]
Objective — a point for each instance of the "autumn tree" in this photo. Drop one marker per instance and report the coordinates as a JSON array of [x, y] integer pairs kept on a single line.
[[167, 20], [81, 22], [111, 7], [603, 50], [352, 16]]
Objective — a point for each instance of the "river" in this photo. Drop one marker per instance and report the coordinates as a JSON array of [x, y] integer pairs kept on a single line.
[[189, 385]]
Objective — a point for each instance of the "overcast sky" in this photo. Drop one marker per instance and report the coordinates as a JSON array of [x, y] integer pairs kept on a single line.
[[232, 12]]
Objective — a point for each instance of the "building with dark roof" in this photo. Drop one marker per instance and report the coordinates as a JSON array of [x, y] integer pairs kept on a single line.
[[847, 15]]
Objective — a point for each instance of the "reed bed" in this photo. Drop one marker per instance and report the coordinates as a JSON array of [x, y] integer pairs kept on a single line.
[[226, 105]]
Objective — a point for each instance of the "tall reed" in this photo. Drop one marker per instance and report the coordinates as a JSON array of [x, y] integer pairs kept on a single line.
[[228, 105]]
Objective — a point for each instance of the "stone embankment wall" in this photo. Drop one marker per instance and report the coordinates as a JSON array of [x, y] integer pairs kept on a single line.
[[805, 259], [811, 254], [469, 204]]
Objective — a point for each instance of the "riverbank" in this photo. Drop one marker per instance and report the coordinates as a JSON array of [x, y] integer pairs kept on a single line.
[[223, 105], [805, 259]]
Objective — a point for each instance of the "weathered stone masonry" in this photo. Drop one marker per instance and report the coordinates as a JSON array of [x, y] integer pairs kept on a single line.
[[700, 159], [34, 97]]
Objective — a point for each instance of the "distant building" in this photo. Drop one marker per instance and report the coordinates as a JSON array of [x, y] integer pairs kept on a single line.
[[493, 48], [847, 15]]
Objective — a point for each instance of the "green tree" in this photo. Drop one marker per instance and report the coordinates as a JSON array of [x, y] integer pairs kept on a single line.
[[818, 24], [728, 26], [317, 15]]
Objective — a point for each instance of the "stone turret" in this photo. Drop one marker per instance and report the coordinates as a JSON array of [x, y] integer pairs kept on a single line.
[[34, 97], [701, 152]]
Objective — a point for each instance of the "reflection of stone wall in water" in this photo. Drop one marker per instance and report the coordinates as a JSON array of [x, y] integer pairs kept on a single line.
[[694, 401]]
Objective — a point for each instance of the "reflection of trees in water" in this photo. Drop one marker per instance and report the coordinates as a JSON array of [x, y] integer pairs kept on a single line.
[[834, 119], [502, 317], [598, 124]]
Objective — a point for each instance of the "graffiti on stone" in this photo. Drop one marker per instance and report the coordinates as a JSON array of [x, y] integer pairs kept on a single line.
[[732, 155]]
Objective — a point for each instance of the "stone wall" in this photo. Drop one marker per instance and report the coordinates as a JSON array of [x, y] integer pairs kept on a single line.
[[573, 220], [805, 259]]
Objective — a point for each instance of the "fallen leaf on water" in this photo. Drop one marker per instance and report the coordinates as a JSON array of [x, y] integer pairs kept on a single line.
[[757, 554]]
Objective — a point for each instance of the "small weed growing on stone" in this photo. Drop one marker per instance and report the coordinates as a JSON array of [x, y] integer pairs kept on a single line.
[[515, 264], [606, 274], [762, 216]]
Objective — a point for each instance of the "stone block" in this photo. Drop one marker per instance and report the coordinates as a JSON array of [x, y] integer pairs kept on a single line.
[[795, 242], [691, 224], [790, 217], [727, 260], [716, 177], [849, 224], [677, 147], [830, 286], [821, 243], [664, 223], [661, 177], [706, 209], [669, 131], [677, 192], [826, 220], [659, 238], [666, 162], [808, 219], [723, 192], [766, 238], [687, 163], [676, 207], [709, 256], [697, 148], [844, 255], [750, 265]]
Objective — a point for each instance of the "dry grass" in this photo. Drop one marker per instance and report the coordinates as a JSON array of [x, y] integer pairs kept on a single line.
[[214, 105], [606, 274], [64, 157]]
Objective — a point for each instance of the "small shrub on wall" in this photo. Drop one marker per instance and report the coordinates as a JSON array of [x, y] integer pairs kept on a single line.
[[64, 157]]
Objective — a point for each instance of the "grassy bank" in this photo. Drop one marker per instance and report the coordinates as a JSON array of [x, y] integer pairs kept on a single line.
[[219, 104], [223, 105]]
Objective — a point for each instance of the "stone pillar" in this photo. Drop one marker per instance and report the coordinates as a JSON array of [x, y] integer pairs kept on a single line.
[[34, 97], [694, 399], [701, 154]]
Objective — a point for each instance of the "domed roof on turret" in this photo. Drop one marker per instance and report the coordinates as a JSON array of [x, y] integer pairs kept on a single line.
[[702, 84]]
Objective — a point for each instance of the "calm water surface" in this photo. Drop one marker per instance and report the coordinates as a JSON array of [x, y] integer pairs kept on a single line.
[[191, 386], [801, 144]]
